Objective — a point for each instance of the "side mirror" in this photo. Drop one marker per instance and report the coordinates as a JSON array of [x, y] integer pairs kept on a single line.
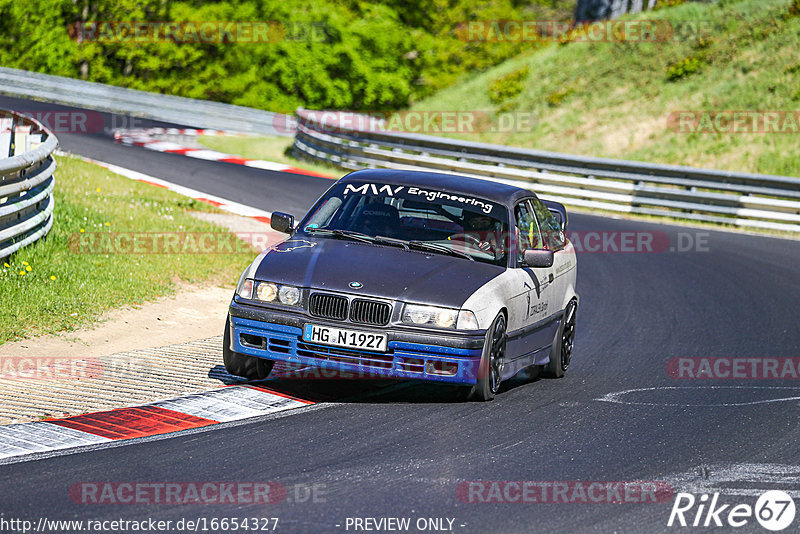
[[282, 222], [538, 258], [559, 212]]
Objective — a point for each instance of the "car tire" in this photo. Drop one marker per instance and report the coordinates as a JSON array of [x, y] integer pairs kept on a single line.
[[237, 364], [490, 370], [561, 351]]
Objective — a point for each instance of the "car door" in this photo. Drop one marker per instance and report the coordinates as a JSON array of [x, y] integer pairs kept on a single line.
[[529, 329], [563, 259]]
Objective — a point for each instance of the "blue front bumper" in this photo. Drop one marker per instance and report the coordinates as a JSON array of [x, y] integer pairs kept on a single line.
[[402, 360]]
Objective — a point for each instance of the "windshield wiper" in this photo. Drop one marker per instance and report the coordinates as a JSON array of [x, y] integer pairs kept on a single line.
[[383, 240], [346, 234], [440, 248]]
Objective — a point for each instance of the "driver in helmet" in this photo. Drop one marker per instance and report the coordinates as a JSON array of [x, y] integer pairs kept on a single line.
[[480, 228]]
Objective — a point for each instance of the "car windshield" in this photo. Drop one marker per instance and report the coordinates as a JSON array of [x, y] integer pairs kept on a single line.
[[412, 217]]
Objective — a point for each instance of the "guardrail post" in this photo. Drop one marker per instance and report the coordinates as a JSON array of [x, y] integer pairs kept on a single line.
[[12, 145]]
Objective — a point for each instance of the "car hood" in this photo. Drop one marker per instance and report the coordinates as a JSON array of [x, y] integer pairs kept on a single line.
[[382, 271]]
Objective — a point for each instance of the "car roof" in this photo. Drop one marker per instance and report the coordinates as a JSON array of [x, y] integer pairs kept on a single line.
[[450, 183]]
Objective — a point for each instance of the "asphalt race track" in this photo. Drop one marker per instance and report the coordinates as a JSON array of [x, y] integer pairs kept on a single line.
[[403, 450]]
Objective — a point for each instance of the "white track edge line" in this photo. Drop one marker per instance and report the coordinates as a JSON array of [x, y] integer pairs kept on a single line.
[[225, 204]]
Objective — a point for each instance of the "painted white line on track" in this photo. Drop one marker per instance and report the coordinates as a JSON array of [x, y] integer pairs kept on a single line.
[[618, 397], [148, 139], [738, 479], [261, 164], [222, 203], [208, 155]]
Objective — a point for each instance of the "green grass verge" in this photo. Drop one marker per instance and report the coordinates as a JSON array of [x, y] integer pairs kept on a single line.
[[62, 289], [268, 148], [614, 99]]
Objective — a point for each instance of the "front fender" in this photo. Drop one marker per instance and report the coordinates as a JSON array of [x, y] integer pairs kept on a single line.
[[490, 298]]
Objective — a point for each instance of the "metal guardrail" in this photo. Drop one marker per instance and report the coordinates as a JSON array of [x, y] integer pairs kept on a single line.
[[739, 199], [26, 181], [167, 108]]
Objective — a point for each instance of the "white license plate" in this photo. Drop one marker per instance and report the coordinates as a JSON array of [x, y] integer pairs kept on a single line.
[[340, 337]]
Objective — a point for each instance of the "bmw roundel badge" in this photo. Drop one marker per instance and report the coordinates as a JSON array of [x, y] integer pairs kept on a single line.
[[356, 285]]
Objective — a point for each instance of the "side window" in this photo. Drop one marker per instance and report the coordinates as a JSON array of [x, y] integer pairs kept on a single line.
[[552, 233], [526, 229]]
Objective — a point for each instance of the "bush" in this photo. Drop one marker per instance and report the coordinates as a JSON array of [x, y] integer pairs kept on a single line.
[[557, 97], [661, 4], [683, 68], [508, 87]]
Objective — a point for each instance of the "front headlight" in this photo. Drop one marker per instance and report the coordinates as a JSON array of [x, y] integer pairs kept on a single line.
[[266, 291], [269, 292], [289, 295], [430, 316], [439, 317]]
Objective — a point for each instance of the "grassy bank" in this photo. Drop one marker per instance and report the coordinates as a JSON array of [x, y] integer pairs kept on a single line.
[[61, 282], [615, 99]]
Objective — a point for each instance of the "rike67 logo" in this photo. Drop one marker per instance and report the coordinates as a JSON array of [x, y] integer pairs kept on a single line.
[[774, 510]]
